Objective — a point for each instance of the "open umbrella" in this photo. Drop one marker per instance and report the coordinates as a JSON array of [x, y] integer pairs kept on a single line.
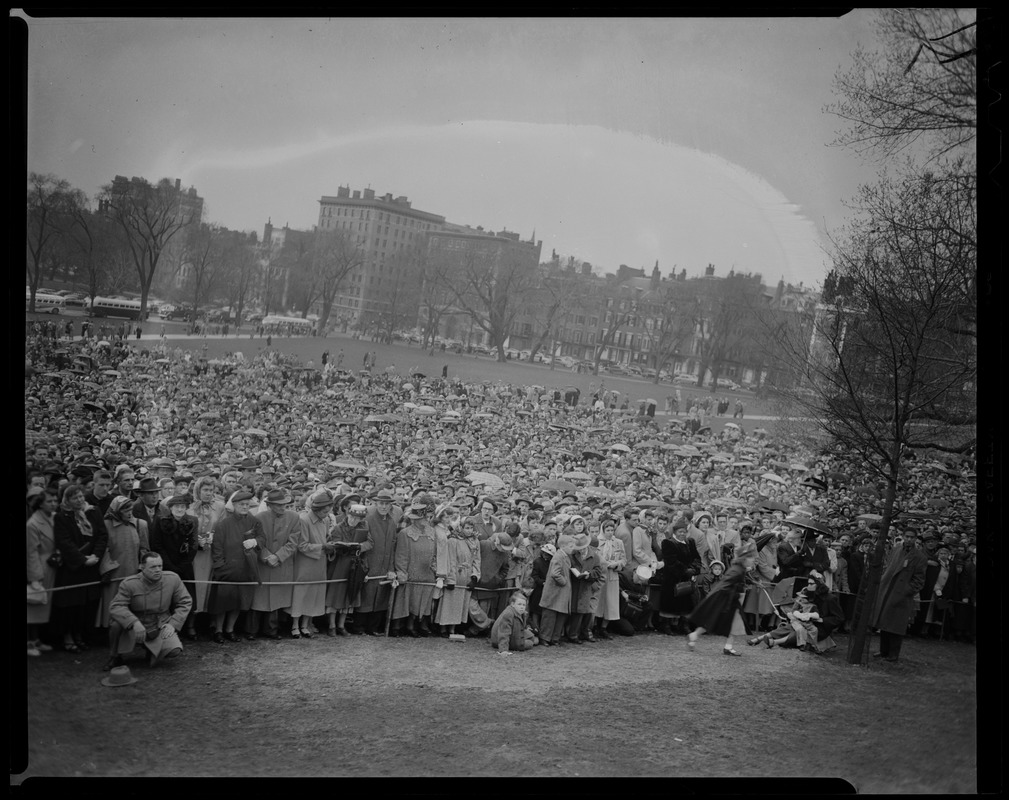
[[558, 485], [347, 463], [770, 476], [256, 432], [578, 476], [623, 448], [210, 415], [870, 517], [562, 452], [162, 361], [772, 505], [592, 454], [799, 467], [703, 429], [838, 477], [865, 490], [425, 411], [651, 504], [486, 479], [689, 450], [810, 524], [600, 491], [670, 448], [93, 407], [732, 425], [112, 372], [418, 375]]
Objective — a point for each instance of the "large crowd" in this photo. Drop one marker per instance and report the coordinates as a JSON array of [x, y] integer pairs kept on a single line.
[[174, 497]]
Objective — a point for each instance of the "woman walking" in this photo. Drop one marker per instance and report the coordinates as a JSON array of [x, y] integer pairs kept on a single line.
[[719, 612]]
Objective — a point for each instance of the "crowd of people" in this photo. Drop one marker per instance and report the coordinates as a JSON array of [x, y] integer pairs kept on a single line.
[[172, 497]]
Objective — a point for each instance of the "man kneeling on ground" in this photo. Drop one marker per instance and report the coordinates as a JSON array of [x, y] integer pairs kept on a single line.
[[150, 610], [511, 629]]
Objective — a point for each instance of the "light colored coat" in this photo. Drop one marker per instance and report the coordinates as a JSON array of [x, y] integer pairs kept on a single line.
[[613, 559], [557, 589], [279, 538], [309, 598], [416, 560], [40, 543]]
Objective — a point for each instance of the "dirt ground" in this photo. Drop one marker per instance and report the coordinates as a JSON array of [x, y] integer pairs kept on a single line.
[[642, 706]]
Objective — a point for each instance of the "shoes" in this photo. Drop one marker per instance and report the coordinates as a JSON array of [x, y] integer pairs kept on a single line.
[[375, 633], [114, 661], [342, 632], [878, 655], [590, 638], [603, 635], [71, 647], [770, 643], [275, 636], [573, 640], [728, 651], [189, 636], [331, 632], [250, 637], [754, 641], [547, 644], [424, 631], [307, 634], [413, 632], [891, 659], [82, 645], [231, 636], [691, 640], [41, 646], [218, 637], [33, 651], [295, 634]]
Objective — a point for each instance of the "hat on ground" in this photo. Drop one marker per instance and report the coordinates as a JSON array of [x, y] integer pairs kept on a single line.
[[119, 676]]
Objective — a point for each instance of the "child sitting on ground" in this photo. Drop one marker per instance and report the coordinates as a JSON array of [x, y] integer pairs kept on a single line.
[[801, 618], [511, 629]]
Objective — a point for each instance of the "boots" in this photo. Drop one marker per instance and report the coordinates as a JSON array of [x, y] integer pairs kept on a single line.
[[424, 629]]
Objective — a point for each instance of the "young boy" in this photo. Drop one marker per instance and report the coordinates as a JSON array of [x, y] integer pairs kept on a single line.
[[511, 629]]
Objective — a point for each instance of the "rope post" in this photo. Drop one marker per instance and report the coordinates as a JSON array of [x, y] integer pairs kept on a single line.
[[388, 616]]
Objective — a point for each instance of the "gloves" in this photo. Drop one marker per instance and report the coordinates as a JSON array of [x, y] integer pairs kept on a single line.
[[439, 583], [248, 544], [329, 549], [449, 587], [272, 560], [472, 582], [390, 576]]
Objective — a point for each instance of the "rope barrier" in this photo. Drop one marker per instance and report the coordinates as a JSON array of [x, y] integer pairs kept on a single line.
[[381, 578]]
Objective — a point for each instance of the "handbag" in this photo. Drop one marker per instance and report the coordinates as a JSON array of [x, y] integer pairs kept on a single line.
[[37, 597], [55, 560], [683, 588]]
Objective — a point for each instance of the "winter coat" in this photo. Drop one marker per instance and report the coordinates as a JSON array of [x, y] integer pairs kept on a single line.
[[74, 547], [612, 559], [511, 631], [416, 561], [585, 590], [152, 603], [380, 545], [40, 543], [279, 537], [309, 595], [557, 589], [232, 563], [463, 563], [902, 580], [338, 595], [716, 612], [681, 562]]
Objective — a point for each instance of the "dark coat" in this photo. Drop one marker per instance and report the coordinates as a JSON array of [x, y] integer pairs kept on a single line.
[[830, 611], [856, 569], [232, 562], [681, 562], [902, 580], [176, 543], [716, 612], [789, 562], [539, 577], [74, 547]]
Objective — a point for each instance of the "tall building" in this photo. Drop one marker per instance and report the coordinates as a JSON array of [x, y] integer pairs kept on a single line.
[[392, 237]]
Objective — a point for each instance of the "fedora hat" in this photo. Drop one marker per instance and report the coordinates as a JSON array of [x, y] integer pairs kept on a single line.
[[321, 499], [278, 497], [119, 676], [582, 540], [148, 485]]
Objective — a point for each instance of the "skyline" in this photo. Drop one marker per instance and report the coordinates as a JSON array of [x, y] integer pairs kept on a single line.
[[618, 141]]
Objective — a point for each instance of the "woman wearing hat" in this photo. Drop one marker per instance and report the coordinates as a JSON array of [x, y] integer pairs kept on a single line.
[[175, 539], [128, 538], [719, 612], [416, 564], [584, 589], [235, 571], [345, 566], [40, 545], [681, 564], [310, 561], [462, 551], [612, 558], [208, 509], [81, 539]]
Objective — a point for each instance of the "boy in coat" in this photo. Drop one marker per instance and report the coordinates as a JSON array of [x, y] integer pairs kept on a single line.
[[511, 629], [555, 601]]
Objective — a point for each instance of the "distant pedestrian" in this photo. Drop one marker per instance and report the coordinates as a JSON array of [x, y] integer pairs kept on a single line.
[[139, 331], [738, 411], [444, 371]]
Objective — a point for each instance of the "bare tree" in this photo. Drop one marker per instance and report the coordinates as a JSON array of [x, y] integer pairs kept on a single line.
[[400, 293], [613, 321], [493, 287], [892, 367], [921, 87], [724, 313], [241, 270], [204, 253], [151, 216], [50, 200], [102, 256], [670, 324], [334, 256], [437, 275]]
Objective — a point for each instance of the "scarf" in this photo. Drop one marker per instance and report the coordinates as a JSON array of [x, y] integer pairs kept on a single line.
[[79, 517]]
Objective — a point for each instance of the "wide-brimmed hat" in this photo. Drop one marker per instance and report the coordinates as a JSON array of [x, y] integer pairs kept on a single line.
[[148, 485], [119, 676], [383, 494], [416, 511], [278, 497], [582, 541], [321, 499]]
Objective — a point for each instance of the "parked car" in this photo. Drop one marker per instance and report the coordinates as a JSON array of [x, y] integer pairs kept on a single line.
[[685, 379], [567, 361]]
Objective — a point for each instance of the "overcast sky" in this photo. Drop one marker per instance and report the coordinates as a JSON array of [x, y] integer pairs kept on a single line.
[[685, 141]]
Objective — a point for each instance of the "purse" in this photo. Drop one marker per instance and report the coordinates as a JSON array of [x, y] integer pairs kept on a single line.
[[37, 597], [683, 588], [55, 560]]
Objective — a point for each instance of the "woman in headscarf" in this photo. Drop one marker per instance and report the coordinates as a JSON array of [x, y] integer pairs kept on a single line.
[[462, 571], [612, 558], [207, 508], [233, 552], [128, 538], [40, 545], [416, 568], [81, 539], [175, 539]]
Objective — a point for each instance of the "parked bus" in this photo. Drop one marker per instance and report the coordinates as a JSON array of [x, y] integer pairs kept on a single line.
[[115, 307], [45, 303], [296, 325]]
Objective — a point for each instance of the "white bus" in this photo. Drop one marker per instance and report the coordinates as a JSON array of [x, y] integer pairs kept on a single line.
[[45, 303], [296, 325]]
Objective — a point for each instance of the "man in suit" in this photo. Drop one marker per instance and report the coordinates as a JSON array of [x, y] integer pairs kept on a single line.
[[902, 580]]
